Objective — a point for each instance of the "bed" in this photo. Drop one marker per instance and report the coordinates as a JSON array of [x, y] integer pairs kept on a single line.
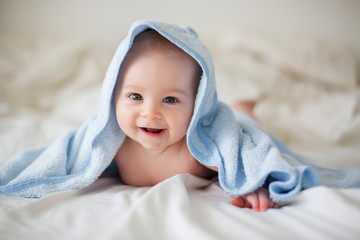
[[308, 95]]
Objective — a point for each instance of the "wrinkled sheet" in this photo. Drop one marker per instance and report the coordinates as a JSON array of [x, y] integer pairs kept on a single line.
[[308, 93]]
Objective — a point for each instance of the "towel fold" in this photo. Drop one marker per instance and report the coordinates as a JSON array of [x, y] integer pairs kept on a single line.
[[247, 156]]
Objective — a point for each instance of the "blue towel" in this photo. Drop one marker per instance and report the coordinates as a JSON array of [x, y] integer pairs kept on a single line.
[[247, 157]]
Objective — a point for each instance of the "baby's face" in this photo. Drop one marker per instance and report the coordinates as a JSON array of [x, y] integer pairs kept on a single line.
[[155, 101]]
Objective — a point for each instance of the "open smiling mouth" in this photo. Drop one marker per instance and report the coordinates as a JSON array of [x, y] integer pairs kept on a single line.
[[153, 131]]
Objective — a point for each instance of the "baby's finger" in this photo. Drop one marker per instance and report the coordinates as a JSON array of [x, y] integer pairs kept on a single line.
[[253, 200], [238, 202], [263, 201]]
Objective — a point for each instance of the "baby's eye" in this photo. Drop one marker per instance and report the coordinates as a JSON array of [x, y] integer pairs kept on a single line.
[[170, 100], [135, 96]]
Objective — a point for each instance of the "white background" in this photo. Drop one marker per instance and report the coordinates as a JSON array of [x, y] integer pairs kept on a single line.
[[107, 21]]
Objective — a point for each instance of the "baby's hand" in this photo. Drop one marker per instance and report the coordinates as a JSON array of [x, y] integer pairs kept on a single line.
[[259, 201]]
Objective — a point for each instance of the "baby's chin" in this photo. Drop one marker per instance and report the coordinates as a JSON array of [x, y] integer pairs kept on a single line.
[[154, 146]]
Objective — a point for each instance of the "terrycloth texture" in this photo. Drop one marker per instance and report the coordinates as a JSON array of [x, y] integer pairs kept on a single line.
[[245, 155]]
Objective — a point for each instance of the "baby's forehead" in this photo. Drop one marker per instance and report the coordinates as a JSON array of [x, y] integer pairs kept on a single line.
[[151, 44]]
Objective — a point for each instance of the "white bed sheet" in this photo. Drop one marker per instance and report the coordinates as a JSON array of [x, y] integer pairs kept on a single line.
[[177, 209], [308, 93]]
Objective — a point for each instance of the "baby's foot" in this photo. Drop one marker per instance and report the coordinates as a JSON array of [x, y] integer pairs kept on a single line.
[[245, 106]]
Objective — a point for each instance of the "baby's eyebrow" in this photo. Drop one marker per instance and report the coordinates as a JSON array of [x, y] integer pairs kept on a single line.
[[178, 91], [132, 87], [170, 91]]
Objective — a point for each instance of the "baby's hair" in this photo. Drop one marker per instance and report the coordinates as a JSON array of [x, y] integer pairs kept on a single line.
[[150, 40]]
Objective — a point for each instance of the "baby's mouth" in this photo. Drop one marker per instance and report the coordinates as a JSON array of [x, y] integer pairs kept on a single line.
[[153, 131]]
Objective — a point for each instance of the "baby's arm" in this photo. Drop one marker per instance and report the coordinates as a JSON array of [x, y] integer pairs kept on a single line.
[[259, 201]]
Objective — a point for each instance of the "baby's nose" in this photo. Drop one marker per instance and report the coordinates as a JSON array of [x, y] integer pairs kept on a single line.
[[150, 110]]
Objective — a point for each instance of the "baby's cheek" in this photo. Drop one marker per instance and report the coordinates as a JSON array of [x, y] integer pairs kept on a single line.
[[123, 119], [183, 127], [188, 119]]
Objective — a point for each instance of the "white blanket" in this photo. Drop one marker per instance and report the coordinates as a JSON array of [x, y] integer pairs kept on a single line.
[[308, 93]]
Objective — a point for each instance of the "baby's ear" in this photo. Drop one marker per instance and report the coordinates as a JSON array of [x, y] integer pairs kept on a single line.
[[192, 31]]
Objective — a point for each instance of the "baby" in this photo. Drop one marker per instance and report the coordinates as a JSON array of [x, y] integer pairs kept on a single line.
[[155, 95], [159, 116]]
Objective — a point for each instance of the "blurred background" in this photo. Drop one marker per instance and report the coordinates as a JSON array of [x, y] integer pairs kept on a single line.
[[108, 21]]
